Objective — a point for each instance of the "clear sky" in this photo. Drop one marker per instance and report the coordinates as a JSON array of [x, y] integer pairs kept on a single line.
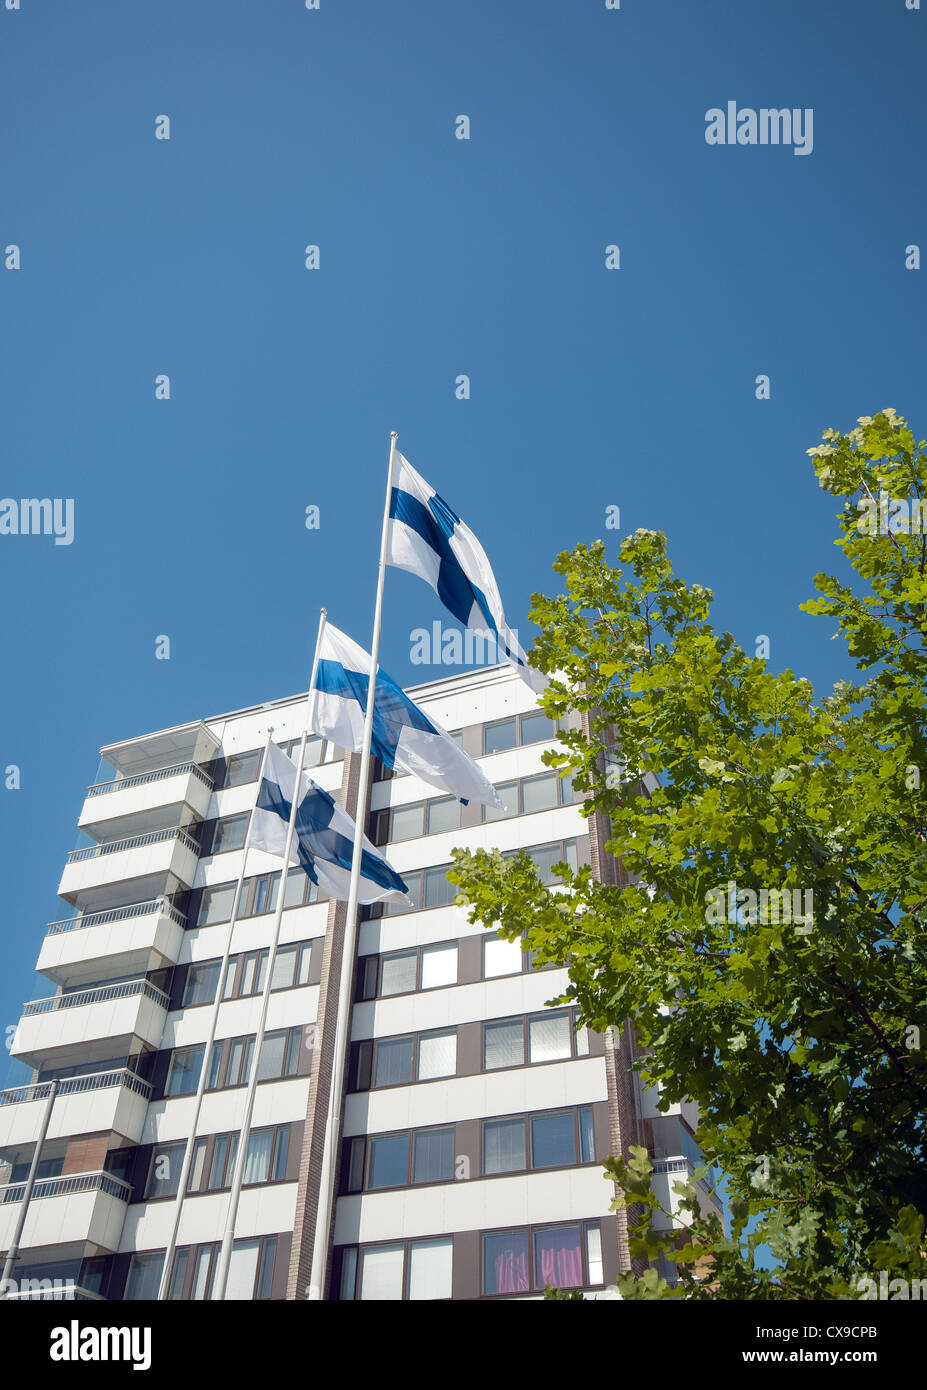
[[439, 257]]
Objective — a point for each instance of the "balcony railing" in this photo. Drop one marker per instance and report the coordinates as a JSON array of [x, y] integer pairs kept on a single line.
[[117, 914], [101, 994], [67, 1186], [152, 837], [123, 783], [66, 1292], [78, 1085]]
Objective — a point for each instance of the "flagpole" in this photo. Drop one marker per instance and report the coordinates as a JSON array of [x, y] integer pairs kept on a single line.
[[225, 1254], [343, 1015], [207, 1055]]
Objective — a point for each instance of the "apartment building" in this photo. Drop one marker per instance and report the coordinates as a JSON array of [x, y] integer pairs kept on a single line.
[[475, 1118]]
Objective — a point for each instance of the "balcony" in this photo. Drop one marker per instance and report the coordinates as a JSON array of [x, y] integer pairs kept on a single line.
[[109, 1020], [107, 1100], [155, 863], [132, 940], [76, 1209], [124, 806], [67, 1291]]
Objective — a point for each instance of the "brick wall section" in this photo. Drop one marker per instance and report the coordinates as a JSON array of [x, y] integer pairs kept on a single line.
[[86, 1155], [310, 1161]]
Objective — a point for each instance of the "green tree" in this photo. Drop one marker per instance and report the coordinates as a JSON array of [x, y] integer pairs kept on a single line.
[[801, 1041]]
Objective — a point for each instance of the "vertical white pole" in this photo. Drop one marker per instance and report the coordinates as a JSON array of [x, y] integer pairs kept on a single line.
[[343, 1016], [13, 1252], [207, 1055], [225, 1254]]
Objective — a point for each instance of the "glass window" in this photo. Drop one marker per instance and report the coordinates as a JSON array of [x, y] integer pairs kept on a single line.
[[443, 815], [437, 1055], [498, 737], [178, 1273], [398, 973], [184, 1075], [348, 1273], [200, 987], [438, 892], [265, 894], [439, 966], [356, 1165], [433, 1155], [284, 967], [536, 727], [305, 960], [407, 822], [505, 1262], [216, 904], [586, 1135], [144, 1276], [202, 1273], [503, 1044], [558, 1258], [381, 1272], [539, 793], [508, 795], [315, 747], [164, 1171], [457, 736], [414, 885], [230, 833], [266, 1269], [215, 1061], [566, 789], [549, 1037], [544, 857], [394, 1061], [501, 957], [239, 1068], [581, 1044], [195, 1178], [224, 1149], [504, 1146], [283, 1148], [430, 1268], [257, 1158], [271, 1060], [242, 1269], [242, 767], [553, 1143], [292, 1048], [231, 970], [594, 1254], [295, 891], [389, 1161]]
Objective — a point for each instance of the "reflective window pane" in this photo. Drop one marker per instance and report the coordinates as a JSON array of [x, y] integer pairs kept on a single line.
[[271, 1060], [200, 987], [433, 1155], [439, 966], [504, 1146], [381, 1272], [501, 957], [430, 1269], [549, 1038], [216, 904], [508, 795], [539, 793], [438, 892], [407, 822], [558, 1258], [230, 833], [394, 1061], [437, 1055], [443, 815], [503, 1045], [505, 1262], [553, 1143], [389, 1161], [498, 737], [537, 727], [398, 973], [586, 1135]]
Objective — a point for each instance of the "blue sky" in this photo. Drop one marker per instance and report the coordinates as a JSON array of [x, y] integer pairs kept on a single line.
[[438, 257]]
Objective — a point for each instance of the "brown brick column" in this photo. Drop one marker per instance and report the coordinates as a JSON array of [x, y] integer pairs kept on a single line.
[[310, 1162]]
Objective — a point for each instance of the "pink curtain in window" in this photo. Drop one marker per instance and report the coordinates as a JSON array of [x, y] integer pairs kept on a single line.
[[560, 1258], [511, 1269]]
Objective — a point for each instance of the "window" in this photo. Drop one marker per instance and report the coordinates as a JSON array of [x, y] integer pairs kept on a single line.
[[164, 1170], [433, 1155], [251, 1270], [201, 983], [504, 1146], [216, 904], [536, 728], [394, 1061], [437, 1055], [501, 957], [524, 1261], [230, 1064], [438, 892], [315, 750], [144, 1276], [553, 1140], [184, 1073], [548, 1037], [400, 1061], [500, 736], [229, 833], [415, 1269], [508, 795], [242, 767], [510, 733], [398, 973], [402, 972], [263, 897], [503, 1044], [442, 815], [389, 1161], [439, 966], [406, 822], [540, 793]]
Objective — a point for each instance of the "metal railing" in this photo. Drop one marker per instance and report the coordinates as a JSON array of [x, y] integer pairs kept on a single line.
[[151, 837], [67, 1185], [141, 778], [78, 1085], [99, 995], [66, 1292], [117, 914]]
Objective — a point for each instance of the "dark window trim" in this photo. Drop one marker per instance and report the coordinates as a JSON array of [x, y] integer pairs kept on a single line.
[[584, 1223]]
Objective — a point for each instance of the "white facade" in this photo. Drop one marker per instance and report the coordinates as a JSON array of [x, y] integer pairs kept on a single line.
[[502, 1109]]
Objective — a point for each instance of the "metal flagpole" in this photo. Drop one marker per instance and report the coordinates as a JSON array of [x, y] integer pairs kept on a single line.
[[13, 1252], [343, 1016], [225, 1254], [207, 1055]]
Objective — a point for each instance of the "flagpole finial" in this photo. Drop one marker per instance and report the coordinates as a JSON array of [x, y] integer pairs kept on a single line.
[[323, 612], [394, 434]]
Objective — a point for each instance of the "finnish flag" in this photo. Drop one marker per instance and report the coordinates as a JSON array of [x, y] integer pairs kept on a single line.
[[427, 538], [403, 736], [323, 836]]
